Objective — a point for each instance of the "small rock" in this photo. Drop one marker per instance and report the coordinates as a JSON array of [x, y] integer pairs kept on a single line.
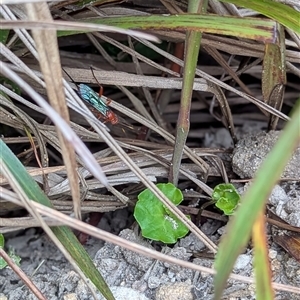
[[191, 242], [242, 262], [176, 291], [222, 230], [122, 293], [278, 195], [153, 282], [289, 211], [293, 219], [272, 253], [71, 296], [142, 262], [293, 206], [252, 150]]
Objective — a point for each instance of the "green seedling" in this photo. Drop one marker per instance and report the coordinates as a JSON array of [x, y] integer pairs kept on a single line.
[[226, 198], [7, 82], [4, 35], [11, 253], [156, 221]]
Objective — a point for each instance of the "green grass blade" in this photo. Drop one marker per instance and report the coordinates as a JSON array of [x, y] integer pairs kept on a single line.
[[251, 28], [274, 75], [239, 227], [263, 274], [280, 12], [4, 35], [191, 52], [63, 233]]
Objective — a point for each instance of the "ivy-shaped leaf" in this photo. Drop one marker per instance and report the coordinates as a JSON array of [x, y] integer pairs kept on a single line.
[[226, 197], [156, 222]]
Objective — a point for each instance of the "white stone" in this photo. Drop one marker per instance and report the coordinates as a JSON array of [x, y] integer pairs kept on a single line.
[[242, 261], [278, 195]]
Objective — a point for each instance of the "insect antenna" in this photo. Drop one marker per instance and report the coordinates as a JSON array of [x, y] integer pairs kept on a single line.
[[77, 87], [101, 87], [82, 90]]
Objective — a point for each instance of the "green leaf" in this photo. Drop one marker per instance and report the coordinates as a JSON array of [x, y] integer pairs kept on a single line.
[[63, 233], [226, 197], [3, 263], [14, 87], [252, 28], [4, 35], [156, 222], [11, 253], [191, 52], [2, 241], [280, 12], [16, 258], [274, 75]]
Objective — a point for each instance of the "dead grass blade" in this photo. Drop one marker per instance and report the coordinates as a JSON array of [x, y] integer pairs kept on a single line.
[[47, 47], [220, 83], [72, 26], [30, 124]]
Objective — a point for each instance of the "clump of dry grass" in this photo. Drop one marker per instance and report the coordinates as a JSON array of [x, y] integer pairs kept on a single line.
[[145, 93]]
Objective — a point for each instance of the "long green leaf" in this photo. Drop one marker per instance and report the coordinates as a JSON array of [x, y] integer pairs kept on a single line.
[[239, 227], [251, 28], [274, 75], [63, 233], [191, 52], [280, 12]]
